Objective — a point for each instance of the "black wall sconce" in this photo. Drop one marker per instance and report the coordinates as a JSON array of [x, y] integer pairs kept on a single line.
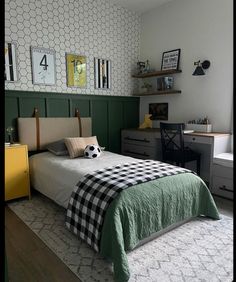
[[201, 67]]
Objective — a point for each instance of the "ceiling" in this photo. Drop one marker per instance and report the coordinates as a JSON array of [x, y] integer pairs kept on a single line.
[[140, 6]]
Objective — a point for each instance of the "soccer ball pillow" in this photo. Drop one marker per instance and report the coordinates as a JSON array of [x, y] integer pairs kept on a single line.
[[92, 151]]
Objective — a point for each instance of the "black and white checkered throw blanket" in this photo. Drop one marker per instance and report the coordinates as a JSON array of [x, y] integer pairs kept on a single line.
[[94, 192]]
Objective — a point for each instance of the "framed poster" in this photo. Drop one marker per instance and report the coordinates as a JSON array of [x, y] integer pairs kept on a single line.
[[11, 73], [159, 111], [170, 60], [102, 69], [76, 70], [43, 66]]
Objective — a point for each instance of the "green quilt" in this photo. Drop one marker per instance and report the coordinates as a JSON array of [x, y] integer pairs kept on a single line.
[[146, 208]]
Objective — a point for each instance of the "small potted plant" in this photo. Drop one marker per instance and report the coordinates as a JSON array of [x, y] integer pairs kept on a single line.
[[146, 87]]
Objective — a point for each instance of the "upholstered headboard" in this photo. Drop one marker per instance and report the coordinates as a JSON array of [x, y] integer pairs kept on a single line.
[[37, 133]]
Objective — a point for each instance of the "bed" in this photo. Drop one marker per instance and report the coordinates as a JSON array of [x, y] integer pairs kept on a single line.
[[137, 213]]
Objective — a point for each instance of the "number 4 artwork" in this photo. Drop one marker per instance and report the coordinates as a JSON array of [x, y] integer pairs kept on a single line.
[[43, 66]]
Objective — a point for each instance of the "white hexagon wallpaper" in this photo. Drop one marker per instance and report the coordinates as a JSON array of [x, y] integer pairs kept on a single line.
[[94, 28]]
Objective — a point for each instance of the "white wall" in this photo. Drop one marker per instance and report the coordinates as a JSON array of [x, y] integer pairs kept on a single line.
[[84, 27], [203, 29]]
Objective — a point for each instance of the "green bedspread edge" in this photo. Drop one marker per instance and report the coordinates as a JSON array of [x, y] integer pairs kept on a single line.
[[147, 208]]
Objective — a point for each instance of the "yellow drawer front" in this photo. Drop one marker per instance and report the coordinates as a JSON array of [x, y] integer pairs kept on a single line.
[[16, 172]]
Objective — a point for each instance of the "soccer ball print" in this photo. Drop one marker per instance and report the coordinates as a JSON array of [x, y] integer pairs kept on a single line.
[[92, 151]]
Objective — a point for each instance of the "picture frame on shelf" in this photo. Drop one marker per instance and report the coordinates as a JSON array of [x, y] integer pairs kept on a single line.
[[43, 65], [76, 69], [11, 71], [165, 83], [102, 73], [170, 60]]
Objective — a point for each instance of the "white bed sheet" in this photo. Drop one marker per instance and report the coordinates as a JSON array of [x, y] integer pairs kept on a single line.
[[57, 176]]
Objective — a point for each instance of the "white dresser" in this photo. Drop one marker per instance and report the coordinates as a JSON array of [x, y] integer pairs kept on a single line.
[[222, 175], [146, 144]]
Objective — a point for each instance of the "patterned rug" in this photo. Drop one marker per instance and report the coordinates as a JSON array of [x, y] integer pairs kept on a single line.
[[199, 250]]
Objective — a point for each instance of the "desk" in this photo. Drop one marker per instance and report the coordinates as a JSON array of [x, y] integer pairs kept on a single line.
[[146, 144]]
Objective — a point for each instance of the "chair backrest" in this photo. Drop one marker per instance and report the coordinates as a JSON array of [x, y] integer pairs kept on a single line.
[[172, 138]]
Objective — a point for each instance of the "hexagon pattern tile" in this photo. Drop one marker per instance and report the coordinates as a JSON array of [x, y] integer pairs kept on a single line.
[[91, 28]]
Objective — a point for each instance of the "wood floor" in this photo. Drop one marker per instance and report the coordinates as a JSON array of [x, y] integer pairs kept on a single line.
[[30, 260]]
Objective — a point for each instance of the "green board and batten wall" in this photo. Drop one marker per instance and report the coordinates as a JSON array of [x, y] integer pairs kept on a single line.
[[109, 113]]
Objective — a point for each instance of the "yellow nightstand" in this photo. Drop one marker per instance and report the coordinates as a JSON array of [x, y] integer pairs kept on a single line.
[[17, 183]]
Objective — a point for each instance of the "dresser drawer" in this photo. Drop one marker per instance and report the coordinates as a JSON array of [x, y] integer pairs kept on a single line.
[[140, 152], [222, 171], [197, 139], [223, 187], [138, 138]]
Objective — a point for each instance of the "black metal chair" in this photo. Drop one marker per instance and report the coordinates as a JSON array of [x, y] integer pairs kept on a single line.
[[173, 149]]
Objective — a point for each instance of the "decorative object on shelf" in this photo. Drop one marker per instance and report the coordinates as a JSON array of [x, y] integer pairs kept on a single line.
[[141, 67], [147, 122], [10, 62], [160, 84], [165, 83], [201, 67], [9, 131], [146, 87], [168, 82], [102, 69], [201, 125], [147, 67], [170, 60], [76, 70], [43, 66], [159, 111]]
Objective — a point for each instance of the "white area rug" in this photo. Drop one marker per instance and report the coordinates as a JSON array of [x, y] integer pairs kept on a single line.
[[200, 250]]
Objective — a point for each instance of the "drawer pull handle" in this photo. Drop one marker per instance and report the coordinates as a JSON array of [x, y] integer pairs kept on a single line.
[[139, 140], [193, 138], [135, 153], [225, 189]]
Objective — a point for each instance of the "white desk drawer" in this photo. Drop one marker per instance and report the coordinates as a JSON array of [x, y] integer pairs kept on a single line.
[[197, 139], [138, 138], [222, 171], [140, 152], [223, 187]]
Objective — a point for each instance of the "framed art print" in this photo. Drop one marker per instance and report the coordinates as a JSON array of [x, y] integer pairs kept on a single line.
[[76, 70], [159, 111], [43, 66], [10, 74], [170, 60], [102, 70]]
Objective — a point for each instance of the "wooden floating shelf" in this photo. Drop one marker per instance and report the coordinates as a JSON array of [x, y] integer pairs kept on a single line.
[[164, 92], [156, 73]]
